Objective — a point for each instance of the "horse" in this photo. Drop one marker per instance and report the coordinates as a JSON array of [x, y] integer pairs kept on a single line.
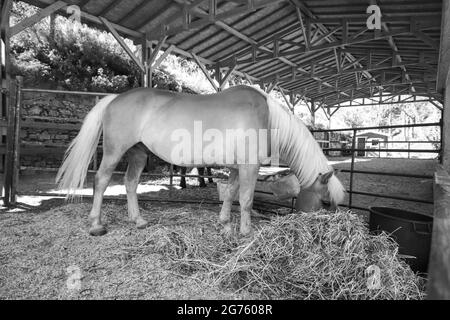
[[201, 172], [164, 122]]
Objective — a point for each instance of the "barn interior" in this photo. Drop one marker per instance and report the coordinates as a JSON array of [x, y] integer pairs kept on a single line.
[[327, 54]]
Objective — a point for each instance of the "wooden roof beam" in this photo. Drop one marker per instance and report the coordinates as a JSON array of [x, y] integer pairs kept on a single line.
[[240, 35], [122, 43], [378, 84], [329, 38], [133, 11], [108, 8], [28, 22], [444, 50], [205, 72], [332, 74], [393, 46]]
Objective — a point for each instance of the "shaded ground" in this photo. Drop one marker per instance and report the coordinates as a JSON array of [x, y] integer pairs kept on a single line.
[[183, 255], [40, 250]]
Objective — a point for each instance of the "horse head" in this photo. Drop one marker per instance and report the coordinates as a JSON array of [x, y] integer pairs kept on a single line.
[[325, 193]]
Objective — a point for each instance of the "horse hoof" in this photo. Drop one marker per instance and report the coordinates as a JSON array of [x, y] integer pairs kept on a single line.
[[227, 231], [98, 231], [142, 225], [246, 232]]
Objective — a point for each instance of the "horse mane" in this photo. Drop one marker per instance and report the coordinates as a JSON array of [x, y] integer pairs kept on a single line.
[[297, 145], [299, 148]]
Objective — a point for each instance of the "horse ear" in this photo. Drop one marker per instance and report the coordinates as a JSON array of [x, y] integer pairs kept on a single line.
[[324, 178]]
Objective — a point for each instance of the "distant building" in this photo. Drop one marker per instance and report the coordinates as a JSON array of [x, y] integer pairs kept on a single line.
[[371, 140]]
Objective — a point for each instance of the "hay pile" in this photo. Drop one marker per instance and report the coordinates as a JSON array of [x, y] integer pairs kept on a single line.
[[303, 256], [183, 255]]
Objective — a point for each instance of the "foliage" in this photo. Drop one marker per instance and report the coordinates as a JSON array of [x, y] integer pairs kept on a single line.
[[69, 55]]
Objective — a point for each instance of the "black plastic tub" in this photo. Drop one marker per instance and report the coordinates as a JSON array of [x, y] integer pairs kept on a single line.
[[412, 232]]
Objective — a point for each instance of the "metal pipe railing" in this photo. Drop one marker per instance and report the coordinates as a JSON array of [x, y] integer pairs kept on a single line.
[[353, 150], [85, 93]]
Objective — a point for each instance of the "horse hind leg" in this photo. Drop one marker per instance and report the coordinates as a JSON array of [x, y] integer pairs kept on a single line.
[[137, 159], [183, 171], [201, 180], [208, 171], [102, 179]]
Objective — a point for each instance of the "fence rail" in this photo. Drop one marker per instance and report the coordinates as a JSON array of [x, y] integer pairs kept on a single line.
[[353, 150]]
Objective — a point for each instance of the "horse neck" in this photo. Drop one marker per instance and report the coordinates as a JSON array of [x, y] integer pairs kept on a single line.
[[297, 146]]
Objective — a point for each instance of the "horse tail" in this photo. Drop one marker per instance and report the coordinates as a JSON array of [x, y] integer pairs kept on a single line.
[[72, 173]]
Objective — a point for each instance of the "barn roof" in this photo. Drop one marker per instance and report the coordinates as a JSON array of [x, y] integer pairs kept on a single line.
[[317, 50]]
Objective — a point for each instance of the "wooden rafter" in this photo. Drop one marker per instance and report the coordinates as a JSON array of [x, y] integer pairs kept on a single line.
[[444, 50], [122, 43], [28, 22], [205, 72], [155, 53], [205, 17], [367, 86], [133, 11], [227, 76], [163, 56], [108, 8]]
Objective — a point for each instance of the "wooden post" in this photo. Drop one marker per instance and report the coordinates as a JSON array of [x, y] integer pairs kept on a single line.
[[16, 143], [16, 156], [146, 79], [444, 50], [445, 134], [95, 157], [218, 77], [443, 83], [438, 287], [313, 113], [5, 7], [10, 139], [352, 168], [146, 54]]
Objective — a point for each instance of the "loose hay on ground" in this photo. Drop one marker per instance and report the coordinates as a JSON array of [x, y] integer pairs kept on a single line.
[[319, 256], [304, 256], [184, 255]]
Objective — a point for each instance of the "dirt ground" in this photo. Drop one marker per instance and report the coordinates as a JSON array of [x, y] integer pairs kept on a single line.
[[47, 253], [414, 188], [41, 249], [45, 239]]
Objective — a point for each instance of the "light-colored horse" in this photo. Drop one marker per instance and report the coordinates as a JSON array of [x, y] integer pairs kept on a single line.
[[148, 118]]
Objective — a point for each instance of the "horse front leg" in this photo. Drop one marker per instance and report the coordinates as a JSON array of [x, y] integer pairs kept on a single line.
[[209, 173], [230, 193], [248, 174], [137, 159]]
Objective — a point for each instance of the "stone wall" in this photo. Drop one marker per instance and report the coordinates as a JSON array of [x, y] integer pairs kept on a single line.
[[45, 108]]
